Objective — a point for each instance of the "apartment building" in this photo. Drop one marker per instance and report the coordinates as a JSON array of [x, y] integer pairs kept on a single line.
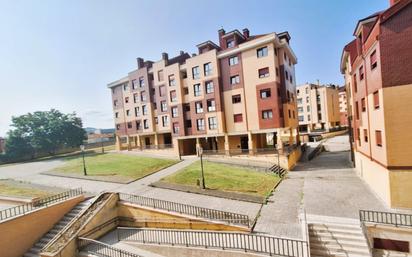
[[377, 69], [237, 95], [343, 107], [318, 107]]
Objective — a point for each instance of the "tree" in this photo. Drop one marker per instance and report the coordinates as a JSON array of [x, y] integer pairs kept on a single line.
[[44, 132]]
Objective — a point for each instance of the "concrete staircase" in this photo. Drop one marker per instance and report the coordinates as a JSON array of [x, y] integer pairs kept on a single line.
[[330, 239], [278, 170], [35, 250]]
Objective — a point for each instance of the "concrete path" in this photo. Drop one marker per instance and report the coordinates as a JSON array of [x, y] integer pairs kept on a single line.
[[30, 172], [326, 186]]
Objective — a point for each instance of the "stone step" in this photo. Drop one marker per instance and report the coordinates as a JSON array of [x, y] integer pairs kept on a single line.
[[324, 253], [348, 228], [337, 247], [341, 241], [336, 235], [336, 231]]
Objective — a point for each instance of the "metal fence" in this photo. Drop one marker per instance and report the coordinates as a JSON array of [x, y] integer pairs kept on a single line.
[[229, 217], [221, 240], [25, 208], [390, 218], [101, 249]]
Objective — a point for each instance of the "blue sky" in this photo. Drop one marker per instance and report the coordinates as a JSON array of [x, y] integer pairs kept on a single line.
[[61, 54]]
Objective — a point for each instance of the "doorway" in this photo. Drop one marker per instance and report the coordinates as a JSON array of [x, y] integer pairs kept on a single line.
[[244, 144]]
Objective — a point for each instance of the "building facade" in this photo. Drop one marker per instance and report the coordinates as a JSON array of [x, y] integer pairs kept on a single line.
[[237, 95], [343, 107], [377, 69], [318, 107]]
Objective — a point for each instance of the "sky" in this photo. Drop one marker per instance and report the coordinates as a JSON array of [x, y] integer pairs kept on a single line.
[[62, 54]]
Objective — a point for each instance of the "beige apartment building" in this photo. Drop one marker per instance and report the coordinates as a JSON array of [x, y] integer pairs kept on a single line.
[[377, 69], [343, 107], [235, 96], [318, 107]]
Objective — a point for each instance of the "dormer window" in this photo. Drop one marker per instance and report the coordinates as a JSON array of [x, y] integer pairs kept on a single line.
[[230, 43]]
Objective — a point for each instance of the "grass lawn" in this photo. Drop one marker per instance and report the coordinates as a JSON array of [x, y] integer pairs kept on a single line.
[[224, 177], [113, 165], [16, 189]]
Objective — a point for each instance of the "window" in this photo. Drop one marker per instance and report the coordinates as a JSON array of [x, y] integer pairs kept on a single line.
[[186, 90], [145, 124], [373, 60], [299, 100], [376, 100], [363, 104], [118, 126], [276, 51], [238, 118], [135, 98], [160, 75], [188, 123], [264, 72], [165, 121], [134, 84], [262, 52], [300, 109], [125, 87], [355, 83], [307, 99], [233, 60], [207, 68], [174, 112], [138, 125], [290, 78], [300, 118], [129, 125], [115, 102], [173, 96], [277, 72], [196, 72], [286, 74], [365, 135], [211, 105], [143, 96], [378, 136], [308, 108], [176, 127], [236, 99], [141, 82], [172, 81], [234, 80], [162, 90], [212, 121], [265, 93], [144, 109], [163, 106], [186, 107], [156, 120], [308, 117], [230, 43], [136, 111], [267, 114], [116, 115], [126, 99], [358, 136], [361, 74], [200, 123], [357, 110], [197, 90], [199, 107], [284, 56], [209, 87]]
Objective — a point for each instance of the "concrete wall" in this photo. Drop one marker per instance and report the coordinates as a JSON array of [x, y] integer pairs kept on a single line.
[[19, 234]]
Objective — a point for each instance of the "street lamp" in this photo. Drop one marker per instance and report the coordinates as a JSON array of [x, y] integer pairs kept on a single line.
[[84, 163], [200, 152]]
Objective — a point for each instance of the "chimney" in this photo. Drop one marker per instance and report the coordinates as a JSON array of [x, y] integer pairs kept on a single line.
[[246, 33], [140, 63], [165, 57], [393, 2], [221, 33]]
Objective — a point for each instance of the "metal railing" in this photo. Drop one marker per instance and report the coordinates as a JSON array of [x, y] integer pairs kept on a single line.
[[101, 249], [229, 217], [390, 218], [221, 240], [46, 201]]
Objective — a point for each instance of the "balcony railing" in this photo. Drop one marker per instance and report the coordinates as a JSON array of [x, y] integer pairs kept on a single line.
[[389, 218], [101, 249]]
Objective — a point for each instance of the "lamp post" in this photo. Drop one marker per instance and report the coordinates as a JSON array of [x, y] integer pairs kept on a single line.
[[84, 163], [200, 152]]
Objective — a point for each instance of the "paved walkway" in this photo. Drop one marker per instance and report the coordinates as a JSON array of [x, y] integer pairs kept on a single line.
[[326, 186], [30, 172]]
